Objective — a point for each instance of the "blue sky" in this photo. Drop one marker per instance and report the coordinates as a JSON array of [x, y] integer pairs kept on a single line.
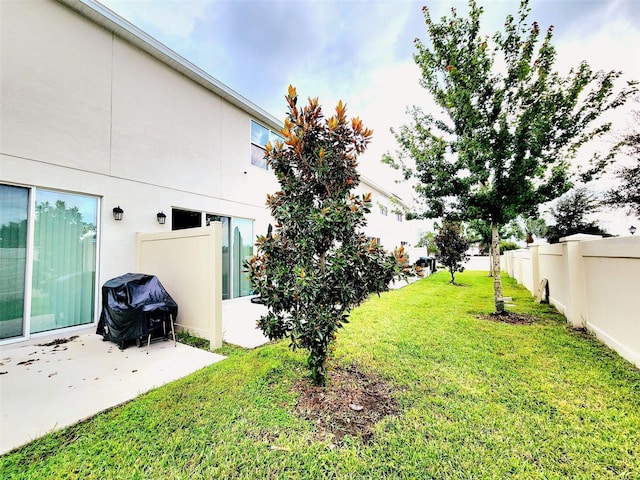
[[361, 51]]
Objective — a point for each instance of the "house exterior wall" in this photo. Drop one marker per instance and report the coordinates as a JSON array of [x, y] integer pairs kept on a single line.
[[85, 109], [391, 231]]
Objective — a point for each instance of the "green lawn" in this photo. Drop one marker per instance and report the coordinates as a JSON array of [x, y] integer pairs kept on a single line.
[[478, 399]]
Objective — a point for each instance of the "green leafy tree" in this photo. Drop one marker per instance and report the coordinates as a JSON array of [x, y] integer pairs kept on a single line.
[[570, 215], [452, 247], [627, 193], [508, 245], [534, 227], [427, 240], [510, 124], [317, 263], [480, 232]]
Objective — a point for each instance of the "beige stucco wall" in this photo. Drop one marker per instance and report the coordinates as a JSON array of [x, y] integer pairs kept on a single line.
[[595, 283], [612, 284], [552, 267]]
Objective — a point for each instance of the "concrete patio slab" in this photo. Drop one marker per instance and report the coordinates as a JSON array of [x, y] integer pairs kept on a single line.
[[239, 317], [58, 380], [45, 386]]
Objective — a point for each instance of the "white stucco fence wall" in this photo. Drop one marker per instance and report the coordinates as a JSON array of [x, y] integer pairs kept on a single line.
[[594, 282]]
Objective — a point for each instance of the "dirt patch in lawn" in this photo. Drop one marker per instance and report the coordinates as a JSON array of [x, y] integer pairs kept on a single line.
[[351, 404], [510, 317]]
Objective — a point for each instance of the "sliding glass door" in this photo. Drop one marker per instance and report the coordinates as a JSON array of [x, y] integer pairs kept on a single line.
[[14, 208], [47, 279], [226, 260], [237, 247], [242, 251], [64, 260]]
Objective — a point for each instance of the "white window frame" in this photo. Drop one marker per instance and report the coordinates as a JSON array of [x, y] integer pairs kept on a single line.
[[28, 279], [271, 137]]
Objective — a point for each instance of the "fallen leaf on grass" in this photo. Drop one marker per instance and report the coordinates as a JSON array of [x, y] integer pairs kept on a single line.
[[280, 449]]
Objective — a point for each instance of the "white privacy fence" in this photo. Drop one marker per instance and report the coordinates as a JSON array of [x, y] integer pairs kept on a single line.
[[594, 282], [188, 263]]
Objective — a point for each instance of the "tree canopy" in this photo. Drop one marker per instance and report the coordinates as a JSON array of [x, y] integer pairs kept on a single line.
[[627, 193], [452, 247], [570, 215], [509, 125]]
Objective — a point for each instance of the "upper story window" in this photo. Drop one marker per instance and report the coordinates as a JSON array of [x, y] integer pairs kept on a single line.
[[399, 216], [384, 211], [260, 136]]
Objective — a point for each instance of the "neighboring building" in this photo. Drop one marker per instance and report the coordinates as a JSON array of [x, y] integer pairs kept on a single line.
[[96, 117], [386, 222]]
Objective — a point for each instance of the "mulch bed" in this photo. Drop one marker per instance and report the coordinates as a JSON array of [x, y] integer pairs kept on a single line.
[[351, 404], [510, 317]]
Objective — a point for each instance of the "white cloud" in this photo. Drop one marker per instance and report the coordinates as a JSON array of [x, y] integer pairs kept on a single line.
[[173, 19], [361, 52]]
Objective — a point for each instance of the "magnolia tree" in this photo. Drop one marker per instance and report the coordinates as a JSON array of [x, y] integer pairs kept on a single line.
[[510, 124], [317, 263]]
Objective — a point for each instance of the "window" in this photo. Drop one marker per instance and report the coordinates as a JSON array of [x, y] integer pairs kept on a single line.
[[242, 246], [181, 219], [260, 136], [399, 217], [14, 208], [384, 211]]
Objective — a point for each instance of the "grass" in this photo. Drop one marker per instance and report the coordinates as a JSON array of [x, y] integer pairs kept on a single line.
[[478, 399]]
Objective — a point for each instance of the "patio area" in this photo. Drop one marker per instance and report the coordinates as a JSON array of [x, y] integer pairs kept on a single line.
[[59, 380]]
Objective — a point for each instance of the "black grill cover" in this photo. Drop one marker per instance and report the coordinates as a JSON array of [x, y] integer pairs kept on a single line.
[[130, 303]]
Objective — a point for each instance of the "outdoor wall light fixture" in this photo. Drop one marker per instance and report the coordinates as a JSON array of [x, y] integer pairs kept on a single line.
[[161, 218], [117, 213], [632, 229]]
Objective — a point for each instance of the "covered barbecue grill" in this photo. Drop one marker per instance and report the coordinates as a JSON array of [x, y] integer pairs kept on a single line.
[[135, 306]]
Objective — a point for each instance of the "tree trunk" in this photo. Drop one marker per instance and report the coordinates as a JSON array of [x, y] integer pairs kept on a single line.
[[491, 259], [497, 280]]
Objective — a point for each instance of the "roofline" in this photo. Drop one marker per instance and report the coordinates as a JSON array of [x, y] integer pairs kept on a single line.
[[125, 30], [372, 184], [112, 22]]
